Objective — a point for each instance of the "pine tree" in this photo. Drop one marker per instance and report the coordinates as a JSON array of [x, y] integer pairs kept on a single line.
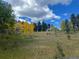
[[44, 26], [77, 17], [73, 21], [67, 26], [67, 29], [39, 27]]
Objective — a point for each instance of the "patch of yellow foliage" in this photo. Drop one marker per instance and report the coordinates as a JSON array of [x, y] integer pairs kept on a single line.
[[24, 27]]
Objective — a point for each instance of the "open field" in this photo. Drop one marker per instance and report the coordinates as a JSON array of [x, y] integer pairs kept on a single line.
[[46, 46]]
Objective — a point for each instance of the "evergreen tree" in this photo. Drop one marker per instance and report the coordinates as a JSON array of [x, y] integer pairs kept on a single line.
[[67, 26], [35, 27], [39, 27], [73, 21], [48, 26], [78, 21], [67, 29], [6, 17], [44, 26]]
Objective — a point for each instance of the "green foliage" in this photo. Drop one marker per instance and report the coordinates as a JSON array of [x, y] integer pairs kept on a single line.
[[77, 17], [73, 23], [63, 25], [39, 26], [67, 26], [73, 18], [6, 16], [44, 26]]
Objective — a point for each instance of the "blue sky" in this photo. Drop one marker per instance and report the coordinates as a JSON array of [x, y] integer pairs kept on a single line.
[[50, 11], [59, 9], [64, 11]]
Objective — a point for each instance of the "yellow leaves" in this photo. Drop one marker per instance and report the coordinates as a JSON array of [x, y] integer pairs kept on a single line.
[[24, 27], [63, 25]]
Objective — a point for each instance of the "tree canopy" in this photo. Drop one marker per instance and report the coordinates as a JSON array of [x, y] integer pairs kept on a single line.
[[6, 16]]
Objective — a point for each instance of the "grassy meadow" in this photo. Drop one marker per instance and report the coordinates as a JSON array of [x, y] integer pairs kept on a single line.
[[43, 45]]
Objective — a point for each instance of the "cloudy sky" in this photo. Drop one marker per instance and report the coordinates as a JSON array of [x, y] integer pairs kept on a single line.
[[52, 11]]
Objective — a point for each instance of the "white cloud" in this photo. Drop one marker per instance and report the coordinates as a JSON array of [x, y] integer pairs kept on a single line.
[[19, 19], [35, 9], [53, 2]]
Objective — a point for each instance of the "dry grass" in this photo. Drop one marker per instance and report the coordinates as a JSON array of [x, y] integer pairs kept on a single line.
[[44, 46]]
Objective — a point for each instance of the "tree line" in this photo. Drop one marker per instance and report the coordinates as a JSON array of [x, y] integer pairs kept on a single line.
[[38, 27], [7, 20], [71, 24]]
